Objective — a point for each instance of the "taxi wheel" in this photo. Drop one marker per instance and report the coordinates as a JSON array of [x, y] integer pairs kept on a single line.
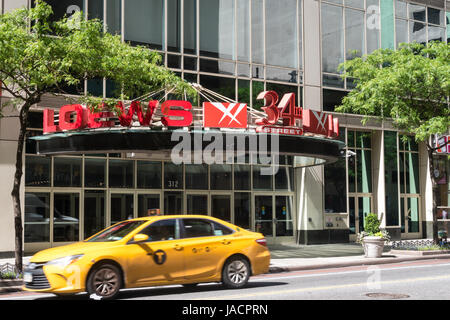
[[236, 273], [104, 282]]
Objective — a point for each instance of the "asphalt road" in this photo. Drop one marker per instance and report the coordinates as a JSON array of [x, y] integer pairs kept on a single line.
[[418, 280]]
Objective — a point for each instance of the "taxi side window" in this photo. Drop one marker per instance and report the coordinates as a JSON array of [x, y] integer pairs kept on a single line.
[[197, 228], [221, 230], [161, 230]]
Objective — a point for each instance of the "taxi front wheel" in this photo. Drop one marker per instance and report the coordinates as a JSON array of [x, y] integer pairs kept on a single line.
[[104, 282], [235, 273]]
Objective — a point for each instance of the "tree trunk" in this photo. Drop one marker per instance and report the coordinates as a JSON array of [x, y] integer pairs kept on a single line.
[[23, 115]]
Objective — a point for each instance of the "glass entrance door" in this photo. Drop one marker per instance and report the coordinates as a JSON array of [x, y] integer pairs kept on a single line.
[[221, 206], [196, 203], [148, 204], [359, 207], [410, 217], [273, 215]]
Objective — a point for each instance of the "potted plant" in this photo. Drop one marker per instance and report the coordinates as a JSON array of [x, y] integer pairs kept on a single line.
[[372, 238]]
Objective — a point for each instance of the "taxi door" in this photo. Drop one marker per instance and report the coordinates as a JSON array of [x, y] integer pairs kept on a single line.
[[158, 260], [204, 248]]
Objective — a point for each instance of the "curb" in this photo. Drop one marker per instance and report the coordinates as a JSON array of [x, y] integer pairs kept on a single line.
[[369, 261], [10, 285]]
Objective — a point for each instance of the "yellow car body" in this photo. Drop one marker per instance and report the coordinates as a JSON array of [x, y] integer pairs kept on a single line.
[[140, 259]]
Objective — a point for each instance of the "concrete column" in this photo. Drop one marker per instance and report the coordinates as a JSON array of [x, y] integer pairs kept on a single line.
[[426, 191]]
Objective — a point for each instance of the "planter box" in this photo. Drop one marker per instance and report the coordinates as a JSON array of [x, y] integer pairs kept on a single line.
[[418, 253], [10, 285], [373, 247]]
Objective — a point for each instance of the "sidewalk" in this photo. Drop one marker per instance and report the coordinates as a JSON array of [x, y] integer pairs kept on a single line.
[[293, 257]]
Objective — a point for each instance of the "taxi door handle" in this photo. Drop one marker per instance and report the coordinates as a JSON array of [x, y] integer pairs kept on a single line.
[[178, 247], [225, 241]]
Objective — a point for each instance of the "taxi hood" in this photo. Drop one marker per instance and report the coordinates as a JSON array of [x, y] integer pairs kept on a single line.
[[69, 250]]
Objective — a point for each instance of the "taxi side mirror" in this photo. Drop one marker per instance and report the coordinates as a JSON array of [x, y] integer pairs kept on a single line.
[[140, 238]]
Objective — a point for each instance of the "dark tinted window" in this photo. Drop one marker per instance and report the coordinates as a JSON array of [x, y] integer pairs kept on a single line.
[[161, 230], [197, 228], [221, 230]]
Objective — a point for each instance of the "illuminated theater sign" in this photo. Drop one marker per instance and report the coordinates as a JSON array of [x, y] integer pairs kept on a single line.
[[281, 116]]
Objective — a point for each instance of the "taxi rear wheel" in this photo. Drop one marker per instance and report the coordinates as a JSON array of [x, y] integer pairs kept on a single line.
[[104, 282], [235, 273]]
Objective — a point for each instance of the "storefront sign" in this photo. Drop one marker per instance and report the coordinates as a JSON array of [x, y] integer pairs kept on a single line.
[[282, 117]]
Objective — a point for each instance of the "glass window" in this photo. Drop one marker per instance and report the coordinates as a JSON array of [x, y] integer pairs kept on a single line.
[[221, 230], [400, 9], [257, 87], [196, 176], [190, 64], [66, 216], [37, 171], [391, 178], [335, 187], [216, 66], [332, 99], [217, 28], [121, 173], [364, 170], [197, 204], [173, 25], [417, 32], [173, 202], [94, 212], [285, 75], [95, 9], [121, 207], [190, 26], [194, 228], [242, 209], [241, 177], [173, 176], [243, 27], [281, 33], [372, 25], [416, 12], [149, 174], [436, 33], [223, 86], [37, 217], [261, 181], [332, 37], [257, 31], [354, 34], [144, 22], [114, 16], [63, 8], [117, 232], [355, 3], [282, 89], [67, 172], [284, 179], [220, 176], [94, 173], [283, 210], [162, 230], [401, 31], [148, 205], [221, 207], [435, 16], [35, 120]]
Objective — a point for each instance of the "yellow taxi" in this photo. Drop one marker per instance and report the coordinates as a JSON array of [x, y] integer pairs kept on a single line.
[[150, 251]]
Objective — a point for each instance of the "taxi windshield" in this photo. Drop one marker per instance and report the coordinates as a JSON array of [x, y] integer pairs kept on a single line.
[[116, 232]]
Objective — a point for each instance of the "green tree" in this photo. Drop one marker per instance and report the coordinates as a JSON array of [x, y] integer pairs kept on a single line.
[[40, 56], [411, 86]]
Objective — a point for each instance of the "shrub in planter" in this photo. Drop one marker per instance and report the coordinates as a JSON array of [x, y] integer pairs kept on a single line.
[[372, 238]]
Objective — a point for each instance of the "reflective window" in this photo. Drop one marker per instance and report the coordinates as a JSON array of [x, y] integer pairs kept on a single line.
[[37, 217], [217, 28], [257, 31], [95, 9], [94, 212], [173, 202], [391, 178], [67, 172], [173, 176], [94, 173], [190, 26], [174, 25], [281, 33], [121, 207], [284, 179], [242, 204], [196, 176], [197, 204], [37, 171], [354, 34], [220, 176], [221, 207], [372, 25], [223, 86], [114, 16], [332, 99], [261, 181], [241, 177], [66, 217], [332, 37], [193, 228], [121, 173], [148, 205], [243, 29], [144, 22], [149, 174]]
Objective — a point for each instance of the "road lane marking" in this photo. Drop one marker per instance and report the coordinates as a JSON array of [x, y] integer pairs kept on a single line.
[[342, 286]]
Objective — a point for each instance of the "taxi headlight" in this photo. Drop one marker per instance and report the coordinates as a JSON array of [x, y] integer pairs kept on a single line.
[[65, 261]]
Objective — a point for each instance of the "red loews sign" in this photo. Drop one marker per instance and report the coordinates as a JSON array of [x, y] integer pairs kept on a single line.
[[177, 113]]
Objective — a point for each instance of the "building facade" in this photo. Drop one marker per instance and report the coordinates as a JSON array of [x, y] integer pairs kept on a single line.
[[239, 48]]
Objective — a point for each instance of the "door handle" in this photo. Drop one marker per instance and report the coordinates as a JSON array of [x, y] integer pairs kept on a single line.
[[225, 241], [178, 247]]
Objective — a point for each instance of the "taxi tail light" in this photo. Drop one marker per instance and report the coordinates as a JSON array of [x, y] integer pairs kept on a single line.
[[262, 242]]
